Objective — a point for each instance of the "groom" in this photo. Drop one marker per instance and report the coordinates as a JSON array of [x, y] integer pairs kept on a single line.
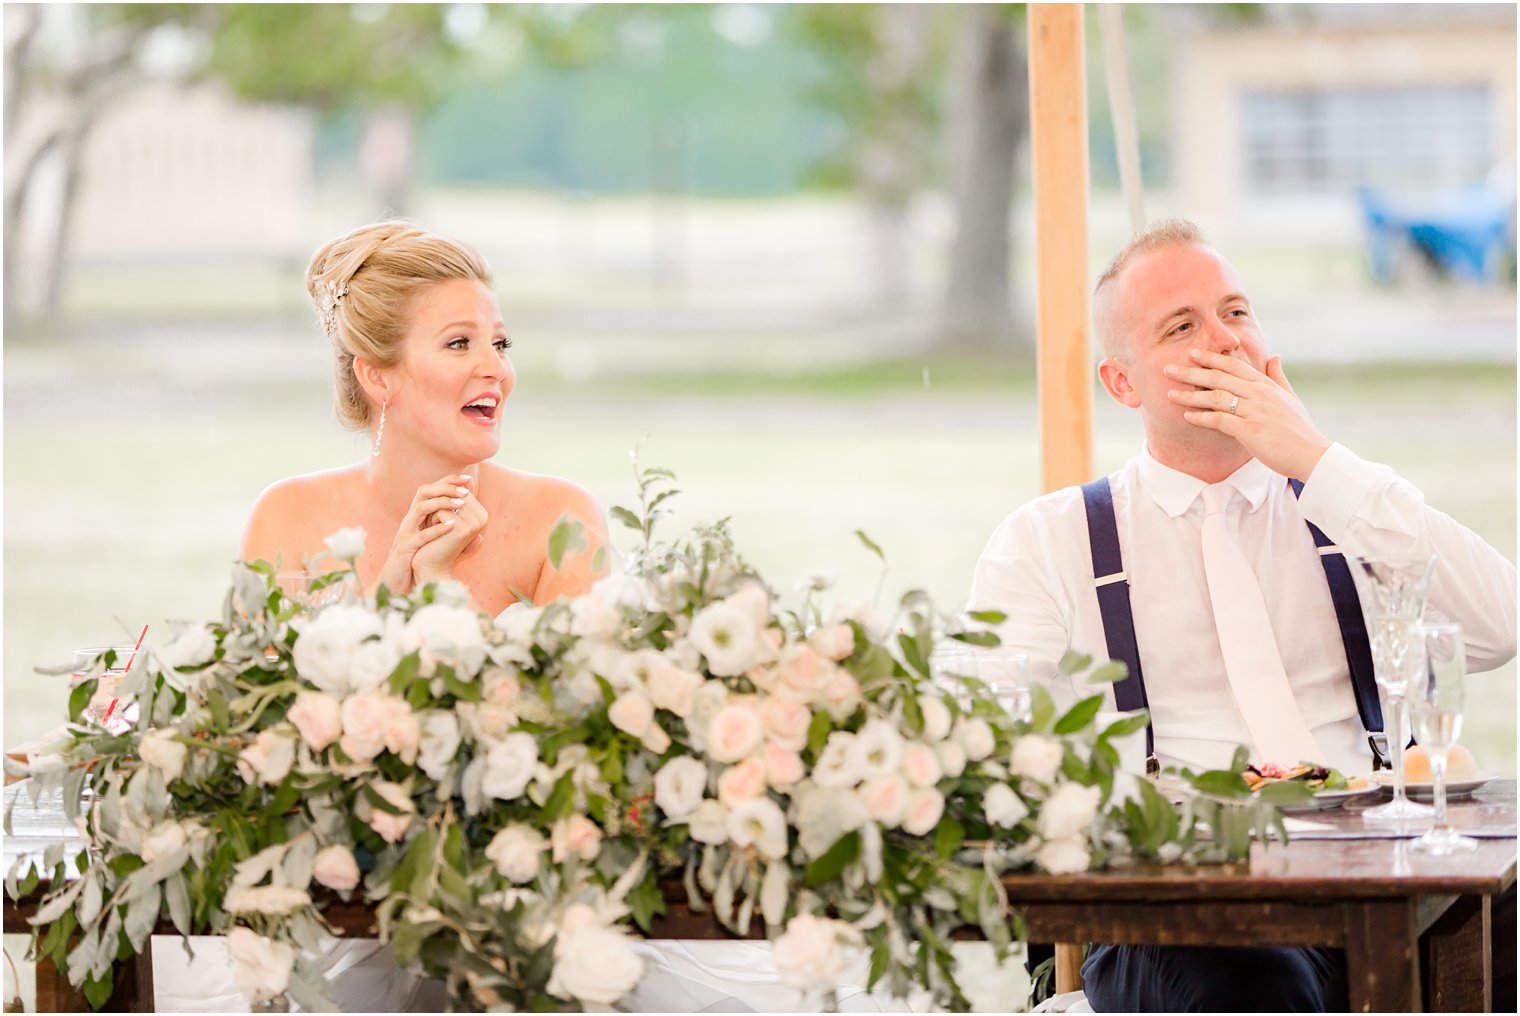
[[1209, 564]]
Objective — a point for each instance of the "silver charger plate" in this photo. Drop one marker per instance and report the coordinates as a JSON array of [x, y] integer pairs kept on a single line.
[[1426, 791]]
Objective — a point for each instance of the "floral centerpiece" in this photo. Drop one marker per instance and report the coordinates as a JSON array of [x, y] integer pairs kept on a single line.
[[511, 793]]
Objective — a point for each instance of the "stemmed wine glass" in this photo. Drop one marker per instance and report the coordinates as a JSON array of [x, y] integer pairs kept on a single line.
[[1392, 591], [1435, 705], [1004, 671]]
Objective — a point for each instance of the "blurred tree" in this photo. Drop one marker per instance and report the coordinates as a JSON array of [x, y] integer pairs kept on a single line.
[[883, 65]]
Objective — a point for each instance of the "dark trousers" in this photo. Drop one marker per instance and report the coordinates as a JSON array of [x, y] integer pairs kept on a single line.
[[1147, 978]]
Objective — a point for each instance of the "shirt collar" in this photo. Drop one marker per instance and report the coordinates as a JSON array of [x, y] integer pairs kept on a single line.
[[1174, 491]]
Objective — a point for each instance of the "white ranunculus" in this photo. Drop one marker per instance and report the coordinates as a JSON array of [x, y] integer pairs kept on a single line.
[[374, 662], [886, 797], [446, 634], [709, 822], [673, 688], [575, 836], [952, 757], [838, 764], [592, 617], [518, 623], [758, 823], [272, 900], [438, 743], [920, 765], [517, 851], [976, 738], [346, 544], [160, 749], [194, 646], [163, 840], [1003, 806], [679, 787], [594, 966], [391, 828], [260, 967], [1068, 811], [936, 717], [1036, 756], [925, 807], [622, 591], [335, 868], [734, 731], [728, 635], [325, 649], [268, 759], [810, 954], [509, 766], [318, 718], [1065, 856], [706, 702], [631, 712], [878, 749], [824, 814]]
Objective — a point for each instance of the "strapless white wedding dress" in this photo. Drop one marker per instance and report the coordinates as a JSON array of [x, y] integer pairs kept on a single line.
[[680, 976]]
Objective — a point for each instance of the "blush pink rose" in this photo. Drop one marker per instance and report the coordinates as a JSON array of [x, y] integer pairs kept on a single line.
[[336, 868], [391, 828], [365, 718], [742, 782], [803, 673], [403, 733], [886, 798], [734, 731], [925, 806], [318, 718], [920, 765], [833, 641], [786, 722], [575, 836], [782, 767]]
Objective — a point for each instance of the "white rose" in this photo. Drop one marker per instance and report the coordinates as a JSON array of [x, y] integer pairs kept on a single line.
[[976, 737], [373, 663], [1036, 756], [518, 623], [509, 766], [1064, 857], [878, 749], [727, 635], [194, 646], [673, 688], [1068, 811], [886, 798], [925, 807], [318, 718], [260, 967], [709, 822], [392, 828], [952, 757], [446, 634], [1003, 807], [164, 840], [438, 742], [267, 759], [272, 900], [824, 814], [160, 750], [810, 954], [734, 732], [592, 617], [838, 764], [631, 712], [622, 591], [679, 786], [325, 648], [920, 766], [594, 966], [936, 717], [517, 851], [575, 836], [335, 868], [758, 823], [346, 544], [486, 721]]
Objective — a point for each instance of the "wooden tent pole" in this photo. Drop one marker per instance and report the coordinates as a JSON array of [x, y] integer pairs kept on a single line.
[[1058, 144]]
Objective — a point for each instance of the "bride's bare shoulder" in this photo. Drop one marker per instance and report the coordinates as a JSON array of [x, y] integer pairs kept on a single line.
[[544, 495], [288, 508]]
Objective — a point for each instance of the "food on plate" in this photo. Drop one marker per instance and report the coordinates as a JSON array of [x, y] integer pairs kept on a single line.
[[1460, 764], [1316, 778]]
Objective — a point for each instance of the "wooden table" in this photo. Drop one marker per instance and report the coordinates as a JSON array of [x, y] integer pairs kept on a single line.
[[1416, 929]]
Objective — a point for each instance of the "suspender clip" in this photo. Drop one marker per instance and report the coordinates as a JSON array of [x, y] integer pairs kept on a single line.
[[1378, 742], [1152, 765]]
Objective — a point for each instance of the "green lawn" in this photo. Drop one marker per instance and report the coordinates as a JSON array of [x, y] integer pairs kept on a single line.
[[131, 461]]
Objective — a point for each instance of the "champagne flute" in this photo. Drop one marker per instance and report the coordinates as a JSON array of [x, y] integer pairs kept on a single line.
[[1435, 705], [1392, 591]]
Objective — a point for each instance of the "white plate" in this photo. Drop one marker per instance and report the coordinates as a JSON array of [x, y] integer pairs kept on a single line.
[[1426, 791], [1326, 799]]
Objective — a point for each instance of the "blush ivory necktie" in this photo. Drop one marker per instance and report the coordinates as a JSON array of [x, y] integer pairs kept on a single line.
[[1251, 659]]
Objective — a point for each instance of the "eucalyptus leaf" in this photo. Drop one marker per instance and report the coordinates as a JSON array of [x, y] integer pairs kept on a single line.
[[871, 545], [1111, 672]]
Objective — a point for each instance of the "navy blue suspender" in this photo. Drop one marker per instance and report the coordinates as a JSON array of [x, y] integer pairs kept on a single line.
[[1112, 587]]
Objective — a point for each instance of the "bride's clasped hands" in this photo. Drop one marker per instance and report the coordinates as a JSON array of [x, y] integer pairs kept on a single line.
[[443, 524]]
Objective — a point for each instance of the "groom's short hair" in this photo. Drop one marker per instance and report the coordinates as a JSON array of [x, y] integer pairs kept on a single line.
[[1157, 236]]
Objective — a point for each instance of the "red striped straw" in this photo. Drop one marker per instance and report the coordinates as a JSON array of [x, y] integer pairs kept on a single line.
[[142, 635]]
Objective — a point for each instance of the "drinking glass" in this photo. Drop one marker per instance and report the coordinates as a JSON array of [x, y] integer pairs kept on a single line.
[[1004, 671], [297, 587], [1392, 591], [106, 708], [1435, 705]]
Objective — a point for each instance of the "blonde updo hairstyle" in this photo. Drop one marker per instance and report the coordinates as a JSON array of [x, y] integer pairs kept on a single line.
[[362, 285]]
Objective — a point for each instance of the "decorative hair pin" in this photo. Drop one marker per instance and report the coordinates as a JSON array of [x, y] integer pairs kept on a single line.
[[329, 294]]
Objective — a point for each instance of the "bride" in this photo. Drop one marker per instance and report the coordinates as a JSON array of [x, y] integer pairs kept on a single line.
[[420, 361]]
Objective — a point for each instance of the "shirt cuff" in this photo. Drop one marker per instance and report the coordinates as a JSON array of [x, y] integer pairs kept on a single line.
[[1340, 483]]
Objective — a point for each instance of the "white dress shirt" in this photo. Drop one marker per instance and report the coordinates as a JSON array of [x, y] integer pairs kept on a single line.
[[1037, 569]]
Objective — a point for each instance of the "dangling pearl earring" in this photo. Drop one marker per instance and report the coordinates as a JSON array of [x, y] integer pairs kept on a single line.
[[379, 434]]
